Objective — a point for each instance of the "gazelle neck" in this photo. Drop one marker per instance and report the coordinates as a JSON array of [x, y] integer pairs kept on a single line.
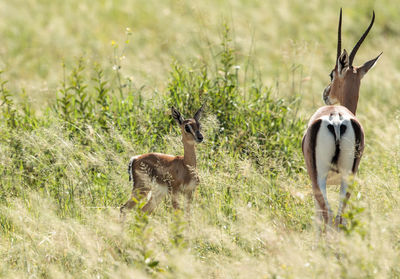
[[189, 153], [350, 95]]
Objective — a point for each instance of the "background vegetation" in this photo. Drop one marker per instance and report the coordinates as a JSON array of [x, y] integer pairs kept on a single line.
[[86, 85]]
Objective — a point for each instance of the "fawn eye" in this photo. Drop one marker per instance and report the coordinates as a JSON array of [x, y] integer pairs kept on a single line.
[[331, 75], [187, 128]]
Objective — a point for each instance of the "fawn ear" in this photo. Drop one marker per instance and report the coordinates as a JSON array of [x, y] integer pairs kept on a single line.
[[368, 65], [197, 115], [342, 63], [177, 116]]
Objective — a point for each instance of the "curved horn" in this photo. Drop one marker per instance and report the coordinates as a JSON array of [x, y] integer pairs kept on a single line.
[[339, 40], [354, 51]]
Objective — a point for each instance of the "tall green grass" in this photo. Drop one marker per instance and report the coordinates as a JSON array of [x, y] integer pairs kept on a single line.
[[93, 116], [74, 153]]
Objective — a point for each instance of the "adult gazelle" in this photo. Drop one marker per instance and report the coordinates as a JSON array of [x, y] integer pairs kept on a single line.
[[334, 139]]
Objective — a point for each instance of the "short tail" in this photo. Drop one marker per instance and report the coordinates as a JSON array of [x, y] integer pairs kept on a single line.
[[130, 167]]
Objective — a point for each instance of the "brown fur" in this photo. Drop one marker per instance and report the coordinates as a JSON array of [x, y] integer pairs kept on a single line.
[[346, 89], [176, 173], [343, 89], [308, 147], [345, 84]]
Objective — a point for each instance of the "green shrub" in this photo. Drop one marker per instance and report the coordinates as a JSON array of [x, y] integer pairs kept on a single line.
[[96, 122]]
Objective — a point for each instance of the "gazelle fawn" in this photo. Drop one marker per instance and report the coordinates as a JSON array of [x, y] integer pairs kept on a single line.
[[170, 174], [334, 139]]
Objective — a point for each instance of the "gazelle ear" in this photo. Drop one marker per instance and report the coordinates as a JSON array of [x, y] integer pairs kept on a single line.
[[197, 115], [368, 65], [342, 63], [177, 116]]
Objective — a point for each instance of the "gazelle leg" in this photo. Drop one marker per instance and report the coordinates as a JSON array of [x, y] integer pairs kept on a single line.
[[137, 193], [128, 205], [347, 169], [322, 205], [344, 197], [189, 199], [150, 205], [318, 217], [157, 195], [174, 199], [188, 203]]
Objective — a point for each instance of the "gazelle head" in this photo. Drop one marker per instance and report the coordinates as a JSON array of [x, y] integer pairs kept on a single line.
[[345, 78], [190, 127]]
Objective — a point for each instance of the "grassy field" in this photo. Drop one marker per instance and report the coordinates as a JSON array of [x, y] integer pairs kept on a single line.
[[85, 85]]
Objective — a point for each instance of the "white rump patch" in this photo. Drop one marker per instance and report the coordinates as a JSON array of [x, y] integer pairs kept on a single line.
[[324, 149], [326, 146], [347, 150]]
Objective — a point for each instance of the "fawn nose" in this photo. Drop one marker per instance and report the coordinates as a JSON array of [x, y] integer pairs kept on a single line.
[[199, 137]]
